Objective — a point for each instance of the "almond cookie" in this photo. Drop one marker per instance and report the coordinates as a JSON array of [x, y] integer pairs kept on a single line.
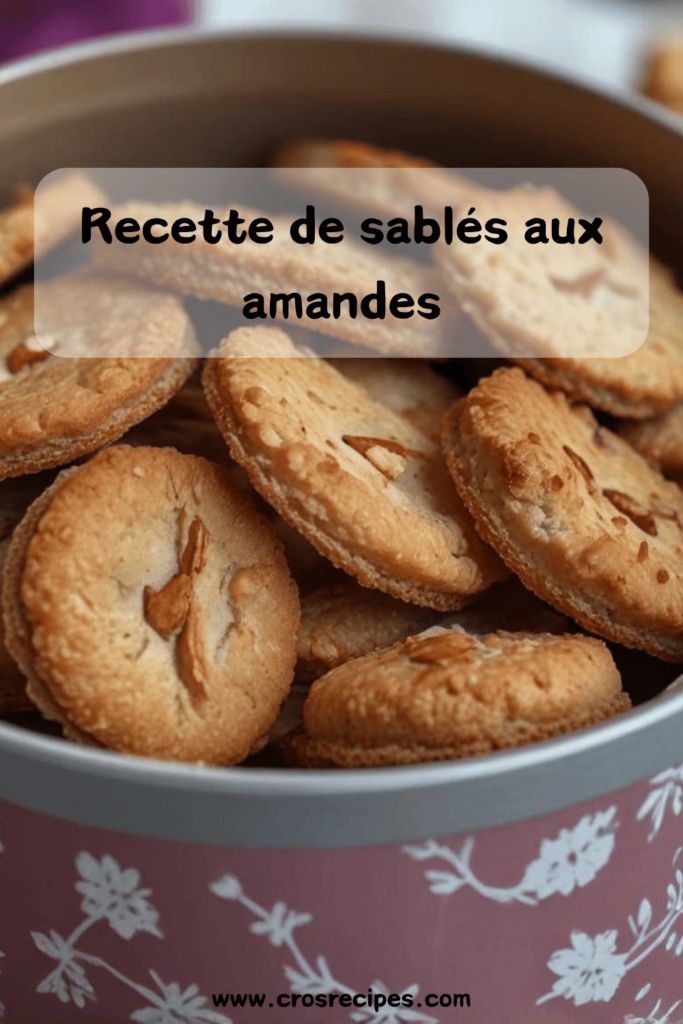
[[643, 384], [54, 410], [408, 386], [151, 609], [53, 217], [550, 300], [227, 272], [659, 440], [445, 694], [581, 518], [381, 181], [346, 621], [185, 423], [15, 498], [365, 487]]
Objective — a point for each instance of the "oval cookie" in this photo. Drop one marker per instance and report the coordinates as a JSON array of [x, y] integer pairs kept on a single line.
[[581, 518], [46, 219], [559, 300], [378, 181], [365, 487], [640, 385], [659, 440], [54, 410], [15, 498], [445, 694], [344, 621], [151, 608]]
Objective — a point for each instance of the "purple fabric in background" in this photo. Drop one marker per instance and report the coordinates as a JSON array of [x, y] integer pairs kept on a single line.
[[27, 26]]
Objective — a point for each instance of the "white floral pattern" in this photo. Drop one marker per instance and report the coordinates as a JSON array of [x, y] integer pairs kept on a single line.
[[177, 1007], [112, 895], [387, 1014], [592, 969], [570, 861], [589, 967], [667, 791], [279, 924], [653, 1016], [67, 980]]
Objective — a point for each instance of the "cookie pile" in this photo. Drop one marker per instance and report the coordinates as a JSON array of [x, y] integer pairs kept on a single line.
[[329, 562]]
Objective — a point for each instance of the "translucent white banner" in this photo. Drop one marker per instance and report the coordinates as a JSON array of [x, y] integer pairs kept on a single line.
[[397, 261]]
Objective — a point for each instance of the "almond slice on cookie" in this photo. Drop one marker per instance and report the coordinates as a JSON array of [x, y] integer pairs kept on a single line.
[[151, 608], [368, 489]]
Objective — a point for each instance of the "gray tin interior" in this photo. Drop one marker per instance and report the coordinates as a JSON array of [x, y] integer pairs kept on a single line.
[[183, 99]]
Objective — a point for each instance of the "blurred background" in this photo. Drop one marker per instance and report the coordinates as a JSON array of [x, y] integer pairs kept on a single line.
[[603, 41]]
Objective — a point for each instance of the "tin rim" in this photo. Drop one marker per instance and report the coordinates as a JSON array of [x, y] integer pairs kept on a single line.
[[270, 782]]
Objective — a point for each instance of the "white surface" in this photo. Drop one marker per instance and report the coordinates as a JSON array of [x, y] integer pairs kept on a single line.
[[600, 40]]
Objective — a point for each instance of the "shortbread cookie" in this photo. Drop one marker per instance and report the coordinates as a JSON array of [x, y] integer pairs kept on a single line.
[[382, 182], [581, 518], [55, 214], [55, 410], [660, 440], [663, 79], [551, 300], [445, 694], [151, 608], [408, 386], [15, 498], [365, 487], [345, 621], [641, 385], [185, 423], [228, 272]]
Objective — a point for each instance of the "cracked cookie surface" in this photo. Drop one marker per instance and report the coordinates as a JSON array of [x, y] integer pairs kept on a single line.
[[575, 512], [151, 608]]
